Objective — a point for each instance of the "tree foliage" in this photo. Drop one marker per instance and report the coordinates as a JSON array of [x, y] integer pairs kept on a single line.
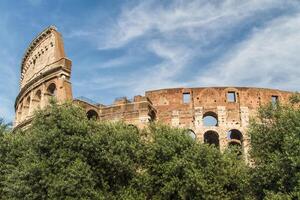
[[63, 155], [275, 141]]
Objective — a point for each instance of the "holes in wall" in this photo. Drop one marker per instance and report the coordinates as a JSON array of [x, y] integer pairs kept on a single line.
[[92, 114], [235, 141], [186, 97], [234, 134], [231, 96], [210, 119], [274, 99], [212, 138], [52, 89], [152, 116]]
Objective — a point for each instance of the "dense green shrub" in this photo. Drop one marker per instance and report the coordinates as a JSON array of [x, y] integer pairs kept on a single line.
[[275, 140], [63, 155]]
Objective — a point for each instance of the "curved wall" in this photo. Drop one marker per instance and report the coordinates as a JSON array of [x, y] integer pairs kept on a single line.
[[45, 72], [231, 106]]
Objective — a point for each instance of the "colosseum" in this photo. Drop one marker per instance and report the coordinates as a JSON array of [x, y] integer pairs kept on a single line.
[[215, 115]]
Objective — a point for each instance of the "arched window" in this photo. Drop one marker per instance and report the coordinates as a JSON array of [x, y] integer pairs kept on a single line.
[[212, 138], [37, 99], [235, 134], [51, 89], [210, 119], [92, 114], [19, 113], [191, 133], [26, 106], [152, 115], [235, 138], [38, 95]]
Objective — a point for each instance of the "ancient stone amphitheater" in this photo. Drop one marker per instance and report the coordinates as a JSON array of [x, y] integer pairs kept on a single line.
[[215, 115]]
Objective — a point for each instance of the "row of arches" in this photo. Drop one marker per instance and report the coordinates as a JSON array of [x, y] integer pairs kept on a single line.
[[33, 102], [210, 137], [93, 114], [234, 136]]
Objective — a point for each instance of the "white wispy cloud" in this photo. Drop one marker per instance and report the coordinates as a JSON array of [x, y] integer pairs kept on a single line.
[[268, 58], [180, 32], [189, 17]]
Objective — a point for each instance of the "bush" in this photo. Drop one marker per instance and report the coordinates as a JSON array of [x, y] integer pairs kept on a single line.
[[63, 155], [275, 140]]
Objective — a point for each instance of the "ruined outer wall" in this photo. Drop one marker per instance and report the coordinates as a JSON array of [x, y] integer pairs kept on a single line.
[[45, 72], [138, 112], [172, 110]]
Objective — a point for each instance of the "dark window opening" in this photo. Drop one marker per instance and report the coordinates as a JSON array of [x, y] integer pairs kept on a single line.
[[52, 89], [186, 97], [235, 141], [274, 99], [235, 135], [231, 97], [152, 116], [92, 114], [212, 138]]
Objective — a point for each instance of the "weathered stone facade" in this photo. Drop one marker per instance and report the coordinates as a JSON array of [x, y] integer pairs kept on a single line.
[[45, 72], [218, 115]]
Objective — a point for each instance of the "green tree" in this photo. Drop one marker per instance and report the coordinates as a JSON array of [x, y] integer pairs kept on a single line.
[[63, 155], [177, 167], [4, 127], [275, 141]]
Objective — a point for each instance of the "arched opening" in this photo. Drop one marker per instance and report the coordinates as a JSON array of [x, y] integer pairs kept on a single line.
[[37, 99], [26, 106], [210, 119], [212, 138], [152, 116], [235, 138], [191, 133], [52, 89], [19, 113], [92, 114], [235, 134]]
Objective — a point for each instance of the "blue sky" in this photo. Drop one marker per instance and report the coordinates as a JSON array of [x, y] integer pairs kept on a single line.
[[125, 47]]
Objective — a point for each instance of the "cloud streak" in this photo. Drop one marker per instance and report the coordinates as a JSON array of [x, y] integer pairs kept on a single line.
[[269, 58], [182, 32]]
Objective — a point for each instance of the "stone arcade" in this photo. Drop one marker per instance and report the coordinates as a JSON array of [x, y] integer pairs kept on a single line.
[[216, 115]]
